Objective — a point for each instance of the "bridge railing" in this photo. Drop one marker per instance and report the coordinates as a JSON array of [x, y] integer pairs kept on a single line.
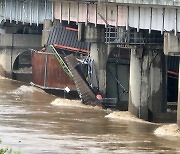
[[118, 35]]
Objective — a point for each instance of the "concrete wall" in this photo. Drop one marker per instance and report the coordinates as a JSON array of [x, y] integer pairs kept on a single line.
[[99, 54], [171, 44], [12, 45], [147, 94], [178, 107], [20, 40], [98, 51]]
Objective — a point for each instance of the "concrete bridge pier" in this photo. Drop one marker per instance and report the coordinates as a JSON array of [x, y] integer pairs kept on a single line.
[[6, 62], [178, 105], [46, 29], [147, 87], [98, 51], [11, 46]]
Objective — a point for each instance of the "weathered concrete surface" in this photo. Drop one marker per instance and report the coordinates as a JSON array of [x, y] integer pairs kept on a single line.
[[12, 45], [157, 78], [2, 61], [178, 113], [94, 34], [98, 51], [46, 29], [171, 44], [137, 106], [147, 94], [178, 107], [20, 41], [7, 59]]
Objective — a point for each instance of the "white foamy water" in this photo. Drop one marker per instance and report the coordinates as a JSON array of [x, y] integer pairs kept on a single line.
[[124, 115], [24, 89], [2, 78], [168, 130], [67, 102], [23, 70], [71, 103]]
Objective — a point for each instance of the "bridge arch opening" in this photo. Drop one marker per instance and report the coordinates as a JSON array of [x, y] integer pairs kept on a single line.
[[22, 67], [117, 81]]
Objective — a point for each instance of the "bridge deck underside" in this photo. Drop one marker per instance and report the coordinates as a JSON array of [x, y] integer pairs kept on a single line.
[[140, 17], [29, 11]]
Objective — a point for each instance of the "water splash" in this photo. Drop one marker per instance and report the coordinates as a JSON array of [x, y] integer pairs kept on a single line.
[[168, 130], [124, 115], [67, 102], [70, 103], [2, 78], [24, 89], [23, 70]]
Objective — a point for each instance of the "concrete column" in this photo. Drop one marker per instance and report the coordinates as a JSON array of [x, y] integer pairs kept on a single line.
[[147, 95], [178, 105], [158, 84], [5, 61], [98, 51], [138, 80], [46, 28]]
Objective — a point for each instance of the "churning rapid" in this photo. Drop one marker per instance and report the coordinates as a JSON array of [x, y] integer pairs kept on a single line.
[[34, 122]]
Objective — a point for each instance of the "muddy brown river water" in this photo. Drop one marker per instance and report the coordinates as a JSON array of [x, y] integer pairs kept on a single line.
[[34, 122]]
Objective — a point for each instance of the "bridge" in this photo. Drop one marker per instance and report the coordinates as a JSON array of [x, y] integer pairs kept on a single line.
[[148, 15], [26, 11], [139, 26]]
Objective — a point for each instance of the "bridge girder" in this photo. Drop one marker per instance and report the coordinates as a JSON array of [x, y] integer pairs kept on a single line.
[[150, 17], [29, 11]]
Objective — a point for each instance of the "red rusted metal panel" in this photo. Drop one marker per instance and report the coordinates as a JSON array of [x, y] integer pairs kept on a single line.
[[48, 73], [38, 68], [56, 77]]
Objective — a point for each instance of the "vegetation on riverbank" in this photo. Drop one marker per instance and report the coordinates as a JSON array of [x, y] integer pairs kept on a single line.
[[7, 150]]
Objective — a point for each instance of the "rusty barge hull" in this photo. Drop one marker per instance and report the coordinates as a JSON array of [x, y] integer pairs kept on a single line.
[[48, 75]]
